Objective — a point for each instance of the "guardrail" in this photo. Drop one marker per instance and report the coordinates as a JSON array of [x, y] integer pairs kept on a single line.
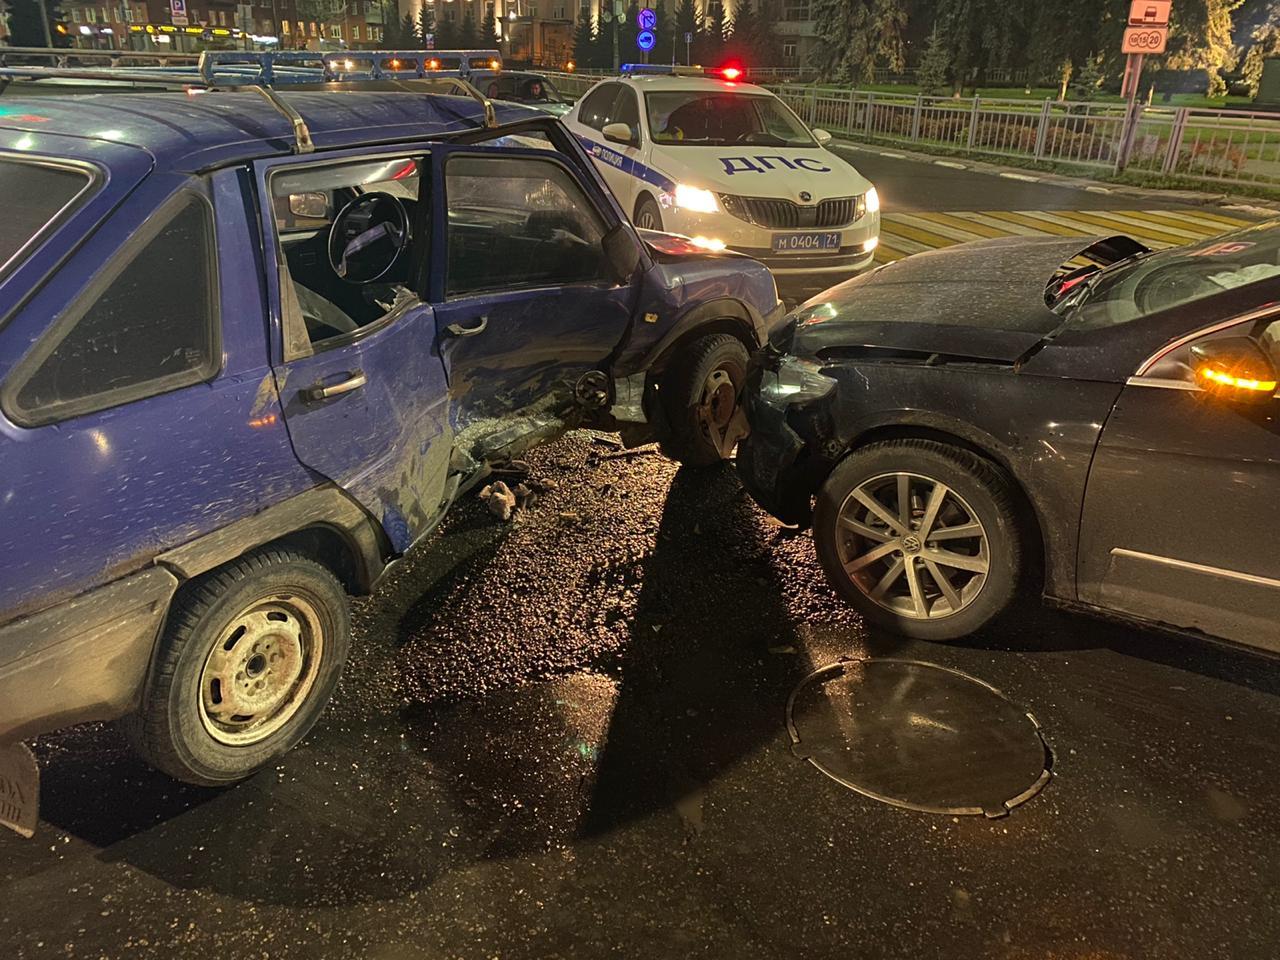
[[1221, 146]]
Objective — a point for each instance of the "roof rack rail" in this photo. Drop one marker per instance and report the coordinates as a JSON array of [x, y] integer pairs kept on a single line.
[[262, 72]]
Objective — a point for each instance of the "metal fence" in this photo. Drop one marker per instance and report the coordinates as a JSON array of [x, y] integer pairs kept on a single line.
[[1224, 146]]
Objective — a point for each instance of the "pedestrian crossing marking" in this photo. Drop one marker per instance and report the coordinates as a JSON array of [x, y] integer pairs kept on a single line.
[[902, 234]]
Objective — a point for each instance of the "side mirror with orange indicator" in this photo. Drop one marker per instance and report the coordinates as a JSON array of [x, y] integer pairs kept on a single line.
[[1235, 368]]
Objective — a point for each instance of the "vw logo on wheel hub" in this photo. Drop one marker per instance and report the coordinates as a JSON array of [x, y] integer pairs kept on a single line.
[[911, 544]]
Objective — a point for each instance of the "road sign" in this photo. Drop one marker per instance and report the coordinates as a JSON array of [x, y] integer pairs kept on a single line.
[[1144, 39], [178, 12], [645, 40], [688, 38], [648, 20], [1149, 13]]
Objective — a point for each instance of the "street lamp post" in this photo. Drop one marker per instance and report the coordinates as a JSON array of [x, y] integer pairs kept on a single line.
[[44, 24]]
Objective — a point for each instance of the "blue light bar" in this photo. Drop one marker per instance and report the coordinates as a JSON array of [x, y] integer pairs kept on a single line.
[[278, 67], [664, 69]]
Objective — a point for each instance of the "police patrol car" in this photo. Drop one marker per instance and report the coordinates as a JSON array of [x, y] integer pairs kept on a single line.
[[698, 153]]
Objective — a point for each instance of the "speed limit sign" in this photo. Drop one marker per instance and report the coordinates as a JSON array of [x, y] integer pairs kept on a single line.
[[1145, 39]]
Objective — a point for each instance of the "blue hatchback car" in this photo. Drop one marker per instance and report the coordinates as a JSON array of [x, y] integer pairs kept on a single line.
[[253, 344]]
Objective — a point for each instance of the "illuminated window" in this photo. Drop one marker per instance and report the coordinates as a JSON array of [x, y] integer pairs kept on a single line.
[[335, 32]]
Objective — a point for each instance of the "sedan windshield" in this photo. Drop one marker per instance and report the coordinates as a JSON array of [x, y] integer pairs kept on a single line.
[[716, 119], [1150, 283]]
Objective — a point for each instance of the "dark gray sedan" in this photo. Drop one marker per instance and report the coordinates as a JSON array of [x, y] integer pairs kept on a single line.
[[1089, 414]]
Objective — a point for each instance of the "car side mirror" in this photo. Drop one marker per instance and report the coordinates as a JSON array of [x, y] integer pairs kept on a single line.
[[1234, 368], [822, 136], [619, 133], [622, 250], [309, 206]]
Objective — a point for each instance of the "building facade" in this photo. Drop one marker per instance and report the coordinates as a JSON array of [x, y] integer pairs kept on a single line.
[[284, 24]]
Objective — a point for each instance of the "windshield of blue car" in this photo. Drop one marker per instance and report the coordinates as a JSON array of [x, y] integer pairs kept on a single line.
[[1150, 283], [34, 196], [720, 119]]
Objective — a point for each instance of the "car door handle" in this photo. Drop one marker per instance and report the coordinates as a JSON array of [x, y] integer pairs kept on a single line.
[[353, 382], [458, 330]]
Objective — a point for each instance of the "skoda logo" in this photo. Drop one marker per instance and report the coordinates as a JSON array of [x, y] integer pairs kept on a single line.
[[806, 196]]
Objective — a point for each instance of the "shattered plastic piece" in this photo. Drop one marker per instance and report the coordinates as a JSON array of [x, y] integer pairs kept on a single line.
[[500, 500]]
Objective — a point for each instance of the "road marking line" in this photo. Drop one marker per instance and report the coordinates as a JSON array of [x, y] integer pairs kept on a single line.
[[927, 225], [951, 164], [1210, 221], [904, 234], [961, 224], [1010, 228], [1097, 189], [897, 230], [1020, 176], [893, 156], [1038, 226], [1126, 221]]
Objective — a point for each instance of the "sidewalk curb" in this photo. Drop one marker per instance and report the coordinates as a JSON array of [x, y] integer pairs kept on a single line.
[[1252, 205]]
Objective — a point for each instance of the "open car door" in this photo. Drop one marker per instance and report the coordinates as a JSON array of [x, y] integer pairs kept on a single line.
[[529, 305]]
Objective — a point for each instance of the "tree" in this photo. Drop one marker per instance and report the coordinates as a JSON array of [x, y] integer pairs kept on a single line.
[[931, 74], [663, 50], [469, 34], [1200, 38], [858, 35], [710, 42], [1086, 81], [447, 34], [425, 26], [25, 27], [688, 20], [585, 42], [1257, 38], [323, 12], [751, 40], [489, 30]]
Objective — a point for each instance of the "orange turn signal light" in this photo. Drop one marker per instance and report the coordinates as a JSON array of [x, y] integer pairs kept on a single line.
[[1222, 378]]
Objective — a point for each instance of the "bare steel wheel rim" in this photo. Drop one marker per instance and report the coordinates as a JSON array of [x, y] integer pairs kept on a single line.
[[261, 669], [718, 406], [913, 546]]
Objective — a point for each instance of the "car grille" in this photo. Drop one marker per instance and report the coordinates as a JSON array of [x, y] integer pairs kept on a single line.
[[785, 215]]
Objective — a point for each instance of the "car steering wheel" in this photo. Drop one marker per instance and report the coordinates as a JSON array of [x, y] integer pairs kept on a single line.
[[368, 237]]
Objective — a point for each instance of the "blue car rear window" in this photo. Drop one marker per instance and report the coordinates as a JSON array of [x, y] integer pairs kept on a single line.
[[34, 196]]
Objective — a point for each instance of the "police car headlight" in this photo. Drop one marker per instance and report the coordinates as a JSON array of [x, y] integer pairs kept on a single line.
[[695, 199], [873, 201]]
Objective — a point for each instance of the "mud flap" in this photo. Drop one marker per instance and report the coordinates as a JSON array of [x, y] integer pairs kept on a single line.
[[19, 789]]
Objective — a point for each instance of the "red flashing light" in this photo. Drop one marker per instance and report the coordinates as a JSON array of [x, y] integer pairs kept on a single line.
[[731, 73]]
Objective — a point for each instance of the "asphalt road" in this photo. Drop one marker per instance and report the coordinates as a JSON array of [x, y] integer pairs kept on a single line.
[[947, 183], [564, 737]]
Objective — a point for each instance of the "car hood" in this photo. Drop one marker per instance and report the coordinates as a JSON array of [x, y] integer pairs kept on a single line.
[[983, 300], [757, 171]]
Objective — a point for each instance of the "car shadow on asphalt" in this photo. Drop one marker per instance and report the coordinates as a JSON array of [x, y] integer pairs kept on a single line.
[[713, 652], [1032, 627]]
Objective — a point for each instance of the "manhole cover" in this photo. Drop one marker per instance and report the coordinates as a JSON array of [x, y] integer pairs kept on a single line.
[[918, 735]]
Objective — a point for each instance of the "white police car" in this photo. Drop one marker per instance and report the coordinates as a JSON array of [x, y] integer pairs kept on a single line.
[[728, 163]]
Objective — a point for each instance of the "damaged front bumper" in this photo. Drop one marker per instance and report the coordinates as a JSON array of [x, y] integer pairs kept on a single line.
[[774, 463]]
